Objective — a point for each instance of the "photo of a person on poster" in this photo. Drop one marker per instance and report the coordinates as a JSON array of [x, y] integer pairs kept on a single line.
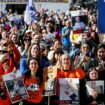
[[69, 91], [79, 21], [79, 25], [16, 87]]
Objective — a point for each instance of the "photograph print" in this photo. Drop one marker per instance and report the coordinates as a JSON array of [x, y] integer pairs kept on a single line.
[[15, 86]]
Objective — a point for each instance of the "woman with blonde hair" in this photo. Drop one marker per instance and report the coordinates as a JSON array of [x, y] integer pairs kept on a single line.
[[67, 70]]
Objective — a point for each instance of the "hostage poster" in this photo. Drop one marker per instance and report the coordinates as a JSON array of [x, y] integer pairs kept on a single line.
[[69, 91], [79, 21], [96, 86], [50, 81], [15, 86]]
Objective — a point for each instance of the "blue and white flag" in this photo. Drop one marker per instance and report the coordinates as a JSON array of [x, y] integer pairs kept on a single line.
[[32, 10], [30, 13], [27, 17], [101, 16]]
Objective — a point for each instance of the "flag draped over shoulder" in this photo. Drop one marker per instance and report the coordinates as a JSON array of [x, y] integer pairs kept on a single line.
[[101, 16], [30, 13]]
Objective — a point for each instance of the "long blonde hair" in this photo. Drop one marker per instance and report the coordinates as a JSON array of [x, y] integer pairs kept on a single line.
[[60, 62]]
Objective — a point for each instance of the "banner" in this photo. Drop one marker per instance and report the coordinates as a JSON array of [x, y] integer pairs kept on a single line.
[[15, 86], [69, 91], [101, 16], [98, 86]]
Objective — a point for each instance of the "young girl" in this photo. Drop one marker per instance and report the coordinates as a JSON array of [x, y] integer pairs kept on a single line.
[[67, 70]]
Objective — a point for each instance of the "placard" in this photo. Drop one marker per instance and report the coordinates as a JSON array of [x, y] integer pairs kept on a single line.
[[92, 86], [50, 81], [15, 86], [79, 21], [69, 91]]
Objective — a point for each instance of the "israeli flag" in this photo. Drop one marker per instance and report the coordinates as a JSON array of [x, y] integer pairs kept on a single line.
[[27, 17], [30, 13], [32, 10]]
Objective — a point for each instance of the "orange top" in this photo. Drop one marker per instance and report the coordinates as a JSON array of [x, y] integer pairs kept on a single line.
[[34, 96], [78, 73]]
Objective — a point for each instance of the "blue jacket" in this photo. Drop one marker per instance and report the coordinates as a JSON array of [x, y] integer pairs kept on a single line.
[[23, 67]]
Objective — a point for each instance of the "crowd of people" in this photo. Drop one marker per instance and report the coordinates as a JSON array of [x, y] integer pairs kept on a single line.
[[49, 41]]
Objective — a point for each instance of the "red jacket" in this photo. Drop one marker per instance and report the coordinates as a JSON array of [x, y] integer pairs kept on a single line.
[[17, 56]]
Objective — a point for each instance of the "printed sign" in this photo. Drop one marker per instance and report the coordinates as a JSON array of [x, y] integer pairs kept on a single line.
[[15, 86], [50, 81], [93, 86], [69, 91], [79, 21]]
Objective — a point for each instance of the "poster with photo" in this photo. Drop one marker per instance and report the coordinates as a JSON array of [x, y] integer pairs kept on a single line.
[[15, 86], [69, 91], [97, 86], [50, 81], [79, 21]]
